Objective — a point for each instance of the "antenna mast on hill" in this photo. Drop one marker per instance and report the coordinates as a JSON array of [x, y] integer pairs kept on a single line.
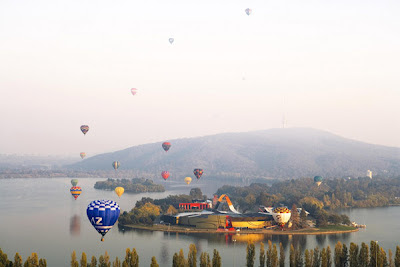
[[283, 116]]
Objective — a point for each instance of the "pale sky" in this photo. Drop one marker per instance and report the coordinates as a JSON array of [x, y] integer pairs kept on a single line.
[[329, 65]]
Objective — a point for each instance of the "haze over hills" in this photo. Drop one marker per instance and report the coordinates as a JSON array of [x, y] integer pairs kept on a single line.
[[274, 153]]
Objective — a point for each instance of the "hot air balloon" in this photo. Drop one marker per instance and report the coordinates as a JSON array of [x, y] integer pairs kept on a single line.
[[318, 180], [82, 154], [188, 180], [116, 165], [248, 11], [171, 40], [119, 190], [84, 129], [133, 91], [198, 173], [166, 145], [165, 174], [75, 191], [281, 215], [74, 182], [103, 214]]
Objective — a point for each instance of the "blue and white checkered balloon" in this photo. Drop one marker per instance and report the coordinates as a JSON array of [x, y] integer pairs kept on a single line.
[[102, 215]]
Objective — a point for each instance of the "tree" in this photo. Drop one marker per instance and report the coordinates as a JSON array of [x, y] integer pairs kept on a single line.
[[363, 256], [262, 255], [292, 256], [196, 193], [74, 261], [83, 260], [303, 218], [102, 262], [42, 263], [353, 255], [281, 255], [117, 262], [205, 260], [154, 262], [251, 254], [328, 256], [171, 210], [93, 262], [17, 260], [134, 258], [391, 263], [4, 259], [344, 257], [316, 262], [299, 258], [192, 255], [295, 218], [383, 258], [216, 260], [324, 259], [373, 255], [175, 260], [269, 254], [307, 259], [274, 256], [338, 253], [397, 257]]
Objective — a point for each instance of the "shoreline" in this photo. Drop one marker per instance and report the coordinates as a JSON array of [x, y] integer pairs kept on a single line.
[[178, 229]]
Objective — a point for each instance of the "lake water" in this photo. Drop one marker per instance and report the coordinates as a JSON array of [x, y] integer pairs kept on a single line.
[[40, 215]]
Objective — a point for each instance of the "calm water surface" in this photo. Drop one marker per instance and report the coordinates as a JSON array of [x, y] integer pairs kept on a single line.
[[40, 215]]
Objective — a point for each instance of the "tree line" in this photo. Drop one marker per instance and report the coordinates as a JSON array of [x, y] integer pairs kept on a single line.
[[342, 256], [134, 185]]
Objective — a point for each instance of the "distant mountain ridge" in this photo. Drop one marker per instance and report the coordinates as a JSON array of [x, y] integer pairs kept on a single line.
[[274, 153]]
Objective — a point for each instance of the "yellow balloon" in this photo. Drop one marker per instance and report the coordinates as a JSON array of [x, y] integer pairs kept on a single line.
[[188, 180], [119, 190]]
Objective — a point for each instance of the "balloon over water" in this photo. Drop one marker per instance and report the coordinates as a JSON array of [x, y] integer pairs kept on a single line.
[[165, 174], [74, 182], [119, 190], [116, 165], [75, 191], [82, 154], [84, 129], [166, 146], [188, 180], [103, 214], [198, 173]]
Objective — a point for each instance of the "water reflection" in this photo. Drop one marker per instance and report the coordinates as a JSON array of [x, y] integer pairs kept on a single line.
[[321, 239], [75, 225]]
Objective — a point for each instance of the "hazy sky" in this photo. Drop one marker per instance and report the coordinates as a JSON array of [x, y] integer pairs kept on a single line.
[[331, 65]]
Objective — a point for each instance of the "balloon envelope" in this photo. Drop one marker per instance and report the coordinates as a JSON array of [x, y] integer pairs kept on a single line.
[[165, 174], [74, 182], [188, 180], [248, 11], [119, 190], [116, 165], [281, 215], [82, 154], [171, 40], [133, 91], [318, 180], [84, 129], [103, 214], [198, 173], [166, 146], [75, 191]]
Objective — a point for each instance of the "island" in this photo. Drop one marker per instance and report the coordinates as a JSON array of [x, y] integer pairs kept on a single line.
[[134, 185]]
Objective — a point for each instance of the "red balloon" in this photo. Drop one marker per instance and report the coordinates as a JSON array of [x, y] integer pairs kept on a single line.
[[165, 174]]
